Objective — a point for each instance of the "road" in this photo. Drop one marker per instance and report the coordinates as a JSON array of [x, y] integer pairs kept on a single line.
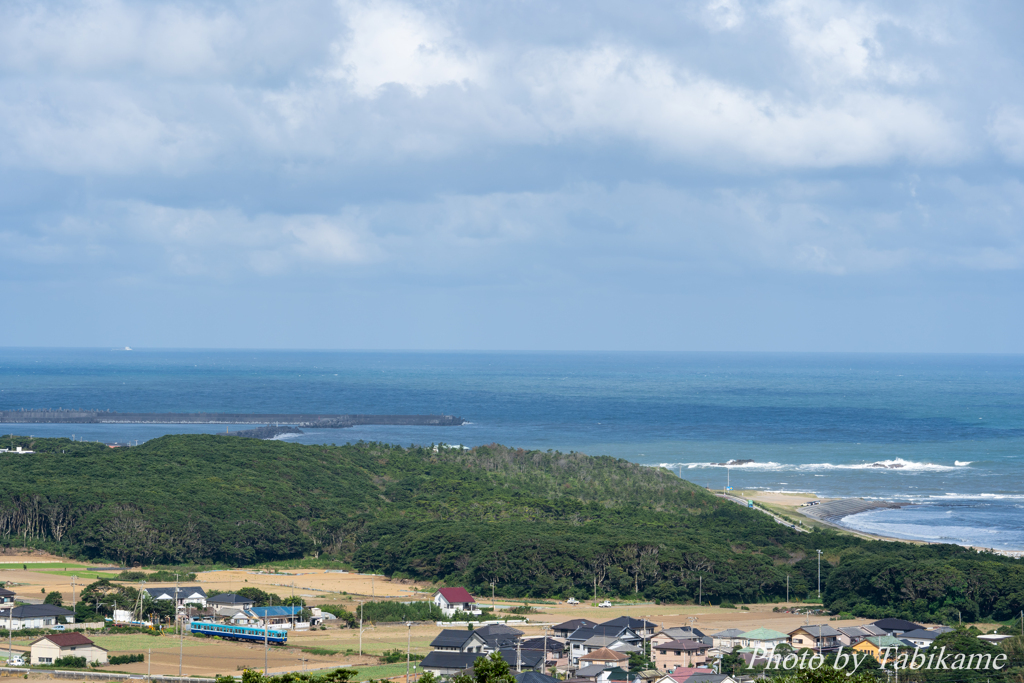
[[774, 516]]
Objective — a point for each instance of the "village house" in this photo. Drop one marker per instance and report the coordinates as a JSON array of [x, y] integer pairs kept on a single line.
[[452, 600], [577, 639], [6, 597], [851, 635], [498, 636], [34, 616], [611, 642], [874, 645], [555, 651], [680, 633], [442, 663], [897, 627], [679, 653], [762, 637], [50, 648], [694, 675], [279, 616], [641, 627], [182, 595], [728, 639], [457, 640], [924, 637], [565, 629], [229, 604], [604, 657], [819, 637]]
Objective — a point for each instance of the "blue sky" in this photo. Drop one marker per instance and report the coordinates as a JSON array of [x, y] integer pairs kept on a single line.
[[783, 175]]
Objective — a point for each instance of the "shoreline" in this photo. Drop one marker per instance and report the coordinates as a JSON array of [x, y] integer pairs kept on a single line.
[[792, 503]]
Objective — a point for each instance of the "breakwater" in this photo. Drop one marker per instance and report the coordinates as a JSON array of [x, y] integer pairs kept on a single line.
[[64, 416], [833, 511]]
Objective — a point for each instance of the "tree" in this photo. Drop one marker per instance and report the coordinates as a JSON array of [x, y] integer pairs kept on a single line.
[[54, 598], [428, 677], [492, 669]]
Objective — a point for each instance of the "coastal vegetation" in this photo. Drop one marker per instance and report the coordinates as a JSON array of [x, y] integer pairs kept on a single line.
[[536, 524]]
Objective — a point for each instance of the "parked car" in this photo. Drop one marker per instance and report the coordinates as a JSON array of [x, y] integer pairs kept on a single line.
[[16, 660], [606, 603], [572, 601], [57, 627]]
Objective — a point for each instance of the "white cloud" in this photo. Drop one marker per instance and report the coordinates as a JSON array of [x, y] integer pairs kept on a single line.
[[724, 15], [839, 41], [1007, 131], [101, 35], [393, 43], [639, 95]]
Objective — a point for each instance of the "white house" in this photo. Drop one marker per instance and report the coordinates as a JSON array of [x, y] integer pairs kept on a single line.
[[452, 600], [34, 616], [184, 595], [50, 648]]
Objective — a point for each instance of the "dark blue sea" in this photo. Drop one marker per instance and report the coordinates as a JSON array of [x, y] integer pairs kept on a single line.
[[943, 431]]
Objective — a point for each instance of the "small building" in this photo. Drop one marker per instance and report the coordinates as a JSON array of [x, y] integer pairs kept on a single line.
[[34, 616], [441, 663], [851, 635], [762, 637], [923, 638], [452, 600], [565, 629], [50, 648], [181, 595], [874, 645], [277, 616], [728, 639], [227, 604], [897, 627], [458, 640], [555, 650], [681, 633], [6, 597], [679, 653], [604, 657], [818, 637], [641, 627], [498, 636], [534, 677]]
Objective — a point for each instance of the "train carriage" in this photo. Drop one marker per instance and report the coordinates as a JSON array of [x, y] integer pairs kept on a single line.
[[276, 636]]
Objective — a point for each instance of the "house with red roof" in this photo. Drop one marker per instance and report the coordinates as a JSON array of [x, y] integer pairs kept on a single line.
[[452, 600], [50, 648]]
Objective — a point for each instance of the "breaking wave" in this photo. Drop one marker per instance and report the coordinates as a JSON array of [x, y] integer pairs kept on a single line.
[[896, 464]]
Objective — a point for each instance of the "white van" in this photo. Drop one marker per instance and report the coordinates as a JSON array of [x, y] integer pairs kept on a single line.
[[16, 660]]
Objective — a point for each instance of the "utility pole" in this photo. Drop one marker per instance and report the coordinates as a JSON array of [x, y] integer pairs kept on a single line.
[[492, 595], [149, 665], [595, 589], [360, 628], [819, 573], [408, 650], [266, 639], [544, 662], [700, 589], [787, 587], [519, 656], [73, 579]]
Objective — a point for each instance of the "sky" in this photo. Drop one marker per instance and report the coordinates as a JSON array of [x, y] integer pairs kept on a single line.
[[714, 175]]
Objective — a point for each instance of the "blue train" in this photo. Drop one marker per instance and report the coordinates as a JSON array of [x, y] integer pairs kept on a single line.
[[240, 632]]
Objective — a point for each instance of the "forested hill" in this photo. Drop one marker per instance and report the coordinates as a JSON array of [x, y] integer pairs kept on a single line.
[[540, 524]]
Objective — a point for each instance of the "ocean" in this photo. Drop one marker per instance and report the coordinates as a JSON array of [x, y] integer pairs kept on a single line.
[[945, 432]]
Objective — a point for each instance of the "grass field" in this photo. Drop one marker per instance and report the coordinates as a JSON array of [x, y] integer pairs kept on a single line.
[[80, 573], [42, 565], [382, 671], [140, 642]]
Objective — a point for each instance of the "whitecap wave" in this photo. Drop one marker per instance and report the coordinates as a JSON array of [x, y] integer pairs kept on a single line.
[[894, 465], [962, 463]]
